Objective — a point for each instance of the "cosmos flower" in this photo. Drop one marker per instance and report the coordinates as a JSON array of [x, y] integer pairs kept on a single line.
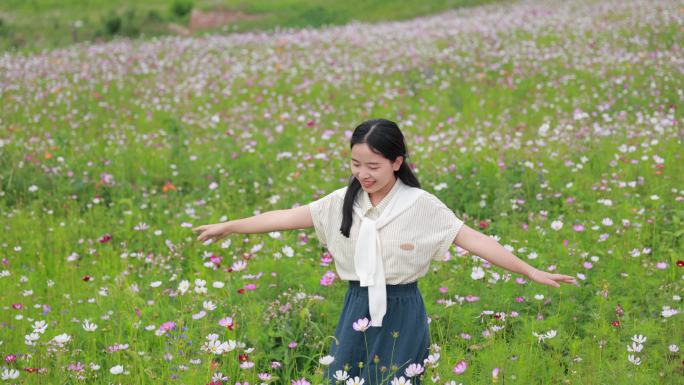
[[361, 325]]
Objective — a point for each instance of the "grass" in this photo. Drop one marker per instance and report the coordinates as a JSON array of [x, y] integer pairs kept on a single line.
[[92, 146], [31, 26]]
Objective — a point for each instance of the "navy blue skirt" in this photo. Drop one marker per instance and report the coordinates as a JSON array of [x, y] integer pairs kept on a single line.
[[380, 353]]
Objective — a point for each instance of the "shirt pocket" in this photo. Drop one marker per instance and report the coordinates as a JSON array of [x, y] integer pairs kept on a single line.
[[407, 255]]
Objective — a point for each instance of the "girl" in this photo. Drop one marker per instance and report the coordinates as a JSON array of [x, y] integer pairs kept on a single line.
[[382, 230]]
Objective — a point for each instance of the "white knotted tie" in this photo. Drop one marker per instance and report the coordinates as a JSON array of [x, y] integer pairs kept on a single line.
[[368, 251]]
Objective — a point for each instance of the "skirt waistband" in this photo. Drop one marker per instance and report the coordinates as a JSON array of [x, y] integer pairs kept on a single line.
[[402, 290]]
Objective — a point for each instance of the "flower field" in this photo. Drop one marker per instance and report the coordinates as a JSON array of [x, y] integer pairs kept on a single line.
[[554, 127]]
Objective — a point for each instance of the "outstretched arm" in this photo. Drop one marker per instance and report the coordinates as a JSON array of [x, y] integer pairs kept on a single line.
[[488, 248], [288, 219]]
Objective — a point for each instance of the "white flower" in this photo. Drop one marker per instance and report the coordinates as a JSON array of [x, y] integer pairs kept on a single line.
[[61, 339], [141, 226], [556, 225], [9, 374], [355, 381], [183, 286], [539, 297], [218, 284], [33, 188], [477, 273], [118, 369], [288, 251], [667, 312], [401, 381], [155, 284], [550, 334], [208, 305], [212, 337], [199, 315], [89, 327], [432, 360], [341, 375], [639, 339], [213, 186], [326, 360], [30, 339], [633, 359], [239, 265], [607, 222], [217, 347], [414, 370], [673, 348], [39, 326], [635, 347]]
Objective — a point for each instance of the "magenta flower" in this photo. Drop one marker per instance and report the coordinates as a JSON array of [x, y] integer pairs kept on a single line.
[[460, 367]]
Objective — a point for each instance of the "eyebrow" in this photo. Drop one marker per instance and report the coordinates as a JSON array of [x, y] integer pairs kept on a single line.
[[366, 163]]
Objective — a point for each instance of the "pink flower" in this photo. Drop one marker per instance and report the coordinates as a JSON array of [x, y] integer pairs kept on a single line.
[[443, 289], [587, 265], [578, 227], [661, 265], [460, 367], [471, 298], [275, 364], [361, 325], [328, 278], [495, 374], [167, 326], [250, 286], [292, 345], [414, 370], [519, 299], [226, 322], [301, 381]]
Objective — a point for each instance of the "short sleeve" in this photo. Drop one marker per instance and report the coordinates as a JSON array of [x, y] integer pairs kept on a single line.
[[321, 215], [444, 224]]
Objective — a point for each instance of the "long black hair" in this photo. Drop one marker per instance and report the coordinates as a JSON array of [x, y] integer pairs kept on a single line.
[[384, 138]]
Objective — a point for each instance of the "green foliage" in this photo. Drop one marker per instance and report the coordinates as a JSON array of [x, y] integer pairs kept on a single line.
[[181, 8]]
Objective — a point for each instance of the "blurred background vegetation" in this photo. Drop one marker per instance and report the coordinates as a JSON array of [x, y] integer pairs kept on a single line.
[[34, 25]]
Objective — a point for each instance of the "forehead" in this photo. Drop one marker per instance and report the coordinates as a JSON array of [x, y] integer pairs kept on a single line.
[[361, 151]]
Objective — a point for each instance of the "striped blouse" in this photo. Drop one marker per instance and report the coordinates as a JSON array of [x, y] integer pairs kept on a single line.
[[422, 233]]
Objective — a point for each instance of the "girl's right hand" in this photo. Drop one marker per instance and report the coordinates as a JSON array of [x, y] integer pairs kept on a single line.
[[215, 231]]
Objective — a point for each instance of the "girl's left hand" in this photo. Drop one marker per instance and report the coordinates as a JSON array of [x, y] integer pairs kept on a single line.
[[549, 279]]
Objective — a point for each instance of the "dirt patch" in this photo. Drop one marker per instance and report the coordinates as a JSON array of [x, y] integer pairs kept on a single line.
[[216, 18]]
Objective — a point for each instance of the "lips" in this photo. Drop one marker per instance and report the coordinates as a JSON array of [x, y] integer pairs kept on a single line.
[[365, 184]]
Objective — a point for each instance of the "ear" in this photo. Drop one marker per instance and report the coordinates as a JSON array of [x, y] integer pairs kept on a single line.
[[397, 163]]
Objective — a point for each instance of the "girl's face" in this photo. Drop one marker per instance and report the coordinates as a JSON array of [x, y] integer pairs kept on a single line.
[[374, 171]]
